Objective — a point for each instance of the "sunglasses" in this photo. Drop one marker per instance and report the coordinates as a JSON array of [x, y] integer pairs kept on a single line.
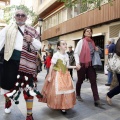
[[22, 15]]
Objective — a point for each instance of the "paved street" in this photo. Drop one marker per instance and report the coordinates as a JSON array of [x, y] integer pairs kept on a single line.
[[82, 110]]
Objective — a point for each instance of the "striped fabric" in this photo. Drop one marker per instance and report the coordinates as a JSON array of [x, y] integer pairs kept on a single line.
[[28, 59], [29, 105]]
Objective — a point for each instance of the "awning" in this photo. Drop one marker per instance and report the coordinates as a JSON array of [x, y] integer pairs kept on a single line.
[[77, 38], [94, 35], [53, 41]]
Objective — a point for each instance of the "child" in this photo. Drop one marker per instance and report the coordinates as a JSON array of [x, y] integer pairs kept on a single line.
[[58, 90], [44, 58], [48, 61]]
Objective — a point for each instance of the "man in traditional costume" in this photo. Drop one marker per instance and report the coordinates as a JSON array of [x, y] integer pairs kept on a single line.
[[21, 44]]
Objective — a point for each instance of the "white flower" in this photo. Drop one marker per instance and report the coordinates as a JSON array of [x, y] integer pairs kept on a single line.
[[22, 84], [26, 78], [17, 84], [18, 76], [27, 86], [14, 91]]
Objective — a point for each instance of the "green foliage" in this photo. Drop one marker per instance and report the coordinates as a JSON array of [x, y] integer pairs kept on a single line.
[[10, 11], [70, 3]]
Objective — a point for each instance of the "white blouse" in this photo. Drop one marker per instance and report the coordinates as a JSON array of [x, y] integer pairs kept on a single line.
[[63, 57], [19, 39], [78, 51]]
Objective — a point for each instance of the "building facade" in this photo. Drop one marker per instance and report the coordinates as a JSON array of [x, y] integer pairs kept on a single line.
[[3, 3], [68, 23]]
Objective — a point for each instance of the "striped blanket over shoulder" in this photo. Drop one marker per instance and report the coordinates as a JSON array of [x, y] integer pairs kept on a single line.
[[28, 59]]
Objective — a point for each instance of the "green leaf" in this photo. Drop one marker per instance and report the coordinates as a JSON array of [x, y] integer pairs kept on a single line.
[[8, 13], [70, 3]]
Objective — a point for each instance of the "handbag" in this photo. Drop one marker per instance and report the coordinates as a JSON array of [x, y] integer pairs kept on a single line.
[[96, 61], [105, 70], [2, 56], [100, 50], [114, 63]]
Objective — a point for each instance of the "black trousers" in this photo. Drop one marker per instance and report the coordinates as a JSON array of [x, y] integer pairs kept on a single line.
[[91, 74], [71, 72], [9, 76], [1, 72], [115, 90]]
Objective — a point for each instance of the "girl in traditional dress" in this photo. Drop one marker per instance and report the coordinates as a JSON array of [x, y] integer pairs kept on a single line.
[[58, 90]]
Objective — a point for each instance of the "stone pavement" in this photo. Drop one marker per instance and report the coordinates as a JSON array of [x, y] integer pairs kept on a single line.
[[81, 111]]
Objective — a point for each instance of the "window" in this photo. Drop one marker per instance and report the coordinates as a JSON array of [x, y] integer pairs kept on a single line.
[[49, 22], [64, 15], [70, 13], [60, 17], [114, 31], [77, 9], [46, 25], [54, 20], [1, 14], [41, 1]]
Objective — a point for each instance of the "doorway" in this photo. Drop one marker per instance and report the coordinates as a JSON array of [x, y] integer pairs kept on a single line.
[[100, 41]]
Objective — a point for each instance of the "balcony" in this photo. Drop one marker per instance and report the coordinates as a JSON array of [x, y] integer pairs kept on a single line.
[[6, 1], [93, 17], [48, 7]]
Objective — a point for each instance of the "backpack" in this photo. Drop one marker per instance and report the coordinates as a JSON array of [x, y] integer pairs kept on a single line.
[[117, 47]]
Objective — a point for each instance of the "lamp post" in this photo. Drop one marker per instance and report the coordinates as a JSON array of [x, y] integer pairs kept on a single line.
[[40, 20]]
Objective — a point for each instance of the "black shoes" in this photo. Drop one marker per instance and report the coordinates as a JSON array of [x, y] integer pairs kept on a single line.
[[107, 84], [79, 98], [63, 112], [98, 104]]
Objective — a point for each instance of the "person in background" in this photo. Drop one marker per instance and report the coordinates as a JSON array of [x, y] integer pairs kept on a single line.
[[44, 59], [111, 50], [83, 54], [49, 49], [116, 89], [21, 45], [39, 63], [71, 59], [48, 61]]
